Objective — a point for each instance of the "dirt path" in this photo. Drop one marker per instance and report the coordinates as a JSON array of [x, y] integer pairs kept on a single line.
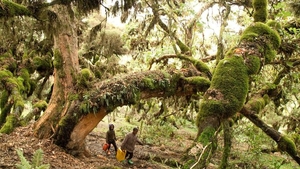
[[145, 157]]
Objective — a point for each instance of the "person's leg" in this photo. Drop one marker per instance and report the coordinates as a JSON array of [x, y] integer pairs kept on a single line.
[[115, 146], [107, 152], [130, 157]]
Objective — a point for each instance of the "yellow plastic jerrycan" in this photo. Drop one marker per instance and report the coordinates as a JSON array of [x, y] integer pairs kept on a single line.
[[120, 154]]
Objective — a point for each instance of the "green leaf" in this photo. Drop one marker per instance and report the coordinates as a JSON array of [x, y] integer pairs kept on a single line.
[[37, 158], [24, 163]]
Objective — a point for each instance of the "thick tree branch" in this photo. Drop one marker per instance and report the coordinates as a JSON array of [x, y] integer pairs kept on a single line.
[[284, 143], [131, 88], [11, 9], [199, 65]]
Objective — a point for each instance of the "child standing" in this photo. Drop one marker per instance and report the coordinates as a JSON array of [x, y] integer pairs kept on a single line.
[[111, 138]]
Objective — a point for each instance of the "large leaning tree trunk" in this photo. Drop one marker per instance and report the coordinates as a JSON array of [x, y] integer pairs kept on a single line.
[[66, 67]]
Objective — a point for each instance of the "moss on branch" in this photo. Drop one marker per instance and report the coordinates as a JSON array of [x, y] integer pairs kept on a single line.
[[11, 9], [260, 10], [10, 124]]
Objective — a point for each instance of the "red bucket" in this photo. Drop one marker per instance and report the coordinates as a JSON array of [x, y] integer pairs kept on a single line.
[[105, 146]]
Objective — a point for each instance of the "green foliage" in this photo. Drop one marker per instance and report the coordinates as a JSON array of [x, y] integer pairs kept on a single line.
[[254, 149], [36, 162]]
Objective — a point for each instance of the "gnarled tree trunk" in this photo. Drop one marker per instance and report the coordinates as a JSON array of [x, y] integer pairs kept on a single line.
[[66, 67]]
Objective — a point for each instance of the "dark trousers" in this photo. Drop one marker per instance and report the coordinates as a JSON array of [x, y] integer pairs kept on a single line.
[[114, 144], [129, 155]]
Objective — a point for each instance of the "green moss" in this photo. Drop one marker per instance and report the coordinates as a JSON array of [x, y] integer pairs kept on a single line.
[[259, 29], [43, 63], [207, 135], [257, 104], [41, 104], [85, 77], [210, 107], [19, 103], [24, 74], [274, 25], [4, 74], [253, 64], [198, 81], [5, 111], [149, 83], [228, 90], [260, 10], [4, 95], [266, 39], [182, 46], [13, 9], [287, 145], [201, 66], [58, 60], [15, 83], [10, 124], [65, 128], [86, 73]]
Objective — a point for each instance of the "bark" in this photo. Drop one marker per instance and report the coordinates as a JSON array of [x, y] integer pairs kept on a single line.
[[66, 66], [227, 144]]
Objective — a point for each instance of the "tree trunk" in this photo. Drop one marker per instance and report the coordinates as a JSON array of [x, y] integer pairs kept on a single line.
[[66, 67]]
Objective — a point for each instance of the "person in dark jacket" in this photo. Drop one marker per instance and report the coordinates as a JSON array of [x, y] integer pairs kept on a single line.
[[128, 144], [111, 138]]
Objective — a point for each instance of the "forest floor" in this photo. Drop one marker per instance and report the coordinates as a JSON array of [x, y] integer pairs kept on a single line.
[[149, 156], [145, 157]]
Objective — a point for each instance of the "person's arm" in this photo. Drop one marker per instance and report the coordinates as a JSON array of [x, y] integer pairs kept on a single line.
[[106, 137], [115, 138], [139, 141], [124, 142]]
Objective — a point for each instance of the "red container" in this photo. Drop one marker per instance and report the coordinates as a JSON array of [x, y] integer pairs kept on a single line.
[[105, 146]]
